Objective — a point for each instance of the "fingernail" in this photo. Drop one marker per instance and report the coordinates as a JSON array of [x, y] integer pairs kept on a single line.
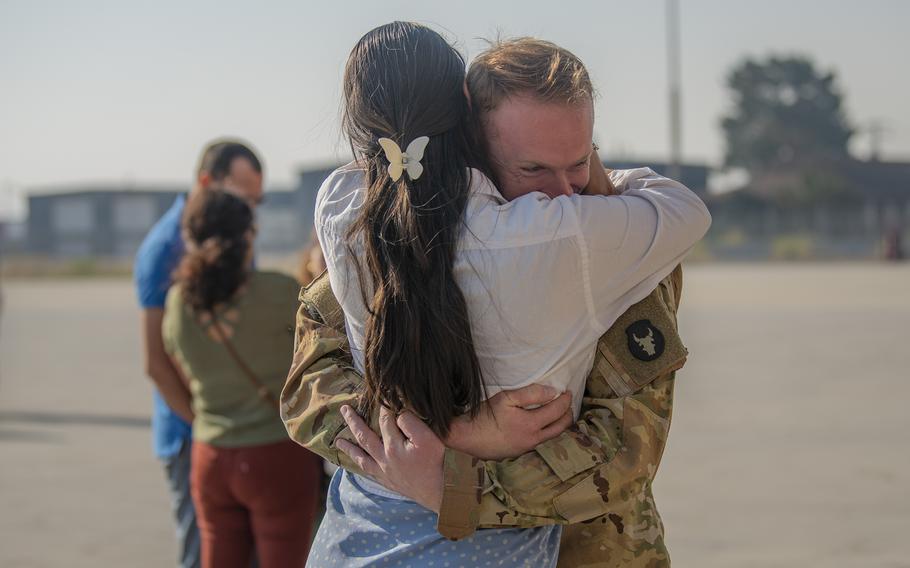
[[346, 411]]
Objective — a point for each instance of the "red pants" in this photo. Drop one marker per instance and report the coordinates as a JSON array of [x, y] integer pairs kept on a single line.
[[259, 495]]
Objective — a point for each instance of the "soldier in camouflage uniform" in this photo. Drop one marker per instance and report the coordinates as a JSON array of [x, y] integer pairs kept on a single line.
[[595, 477]]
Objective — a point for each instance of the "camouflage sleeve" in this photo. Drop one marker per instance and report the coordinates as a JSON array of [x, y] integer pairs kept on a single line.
[[594, 469], [463, 482], [321, 380], [599, 467]]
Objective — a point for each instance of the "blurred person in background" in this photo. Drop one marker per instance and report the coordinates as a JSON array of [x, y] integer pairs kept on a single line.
[[891, 244], [229, 331], [235, 165]]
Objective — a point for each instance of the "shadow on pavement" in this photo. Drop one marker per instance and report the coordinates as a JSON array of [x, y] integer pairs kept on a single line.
[[29, 436], [74, 418]]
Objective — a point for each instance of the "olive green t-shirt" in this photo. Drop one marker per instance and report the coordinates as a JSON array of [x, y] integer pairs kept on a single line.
[[260, 324]]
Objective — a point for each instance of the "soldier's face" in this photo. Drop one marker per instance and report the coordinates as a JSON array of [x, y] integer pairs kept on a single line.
[[540, 146]]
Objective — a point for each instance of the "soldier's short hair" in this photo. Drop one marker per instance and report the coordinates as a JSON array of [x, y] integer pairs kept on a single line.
[[526, 66]]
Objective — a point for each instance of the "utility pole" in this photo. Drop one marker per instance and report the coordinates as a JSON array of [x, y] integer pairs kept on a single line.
[[673, 79], [877, 131]]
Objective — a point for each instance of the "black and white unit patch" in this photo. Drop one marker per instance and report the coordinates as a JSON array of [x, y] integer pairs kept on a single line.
[[646, 342]]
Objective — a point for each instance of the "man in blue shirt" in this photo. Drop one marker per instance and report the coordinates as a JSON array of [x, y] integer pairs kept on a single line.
[[235, 166]]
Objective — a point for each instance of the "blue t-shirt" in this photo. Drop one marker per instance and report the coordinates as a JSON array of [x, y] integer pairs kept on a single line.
[[156, 259]]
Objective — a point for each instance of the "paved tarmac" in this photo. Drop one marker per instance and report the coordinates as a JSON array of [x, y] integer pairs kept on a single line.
[[790, 443]]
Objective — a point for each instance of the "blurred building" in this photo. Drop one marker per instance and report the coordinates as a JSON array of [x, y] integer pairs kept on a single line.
[[12, 236], [111, 221], [839, 209], [885, 191], [94, 221], [693, 176]]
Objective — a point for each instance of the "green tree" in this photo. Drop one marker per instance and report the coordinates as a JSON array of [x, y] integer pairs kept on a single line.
[[785, 114]]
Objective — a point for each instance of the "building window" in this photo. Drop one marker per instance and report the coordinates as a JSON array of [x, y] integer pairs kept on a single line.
[[72, 216]]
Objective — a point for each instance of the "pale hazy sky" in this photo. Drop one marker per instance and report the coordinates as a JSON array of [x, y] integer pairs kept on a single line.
[[107, 91]]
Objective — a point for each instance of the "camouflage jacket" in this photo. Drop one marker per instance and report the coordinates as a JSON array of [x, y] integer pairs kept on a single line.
[[595, 477]]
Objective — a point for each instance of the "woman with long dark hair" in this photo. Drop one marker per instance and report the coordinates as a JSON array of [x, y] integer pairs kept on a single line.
[[229, 330], [434, 271], [408, 318]]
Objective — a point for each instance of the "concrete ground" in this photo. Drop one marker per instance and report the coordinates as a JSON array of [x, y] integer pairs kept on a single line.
[[790, 443]]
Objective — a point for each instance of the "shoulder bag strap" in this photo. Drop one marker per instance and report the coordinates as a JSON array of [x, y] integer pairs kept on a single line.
[[261, 390]]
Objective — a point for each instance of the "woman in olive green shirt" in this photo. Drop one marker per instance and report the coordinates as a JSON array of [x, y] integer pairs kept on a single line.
[[229, 329]]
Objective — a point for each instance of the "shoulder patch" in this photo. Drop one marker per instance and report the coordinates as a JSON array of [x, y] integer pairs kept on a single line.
[[645, 340], [642, 345]]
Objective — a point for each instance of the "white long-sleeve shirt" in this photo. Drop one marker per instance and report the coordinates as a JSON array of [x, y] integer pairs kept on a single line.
[[543, 278]]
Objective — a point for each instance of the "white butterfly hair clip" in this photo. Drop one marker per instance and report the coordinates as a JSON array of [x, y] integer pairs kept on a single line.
[[408, 160]]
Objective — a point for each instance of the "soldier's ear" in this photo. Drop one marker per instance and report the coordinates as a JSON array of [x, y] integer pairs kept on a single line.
[[467, 94]]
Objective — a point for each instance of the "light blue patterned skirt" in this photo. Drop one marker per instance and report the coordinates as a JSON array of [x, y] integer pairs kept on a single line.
[[362, 528]]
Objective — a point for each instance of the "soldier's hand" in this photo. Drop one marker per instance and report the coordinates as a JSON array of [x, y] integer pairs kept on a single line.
[[407, 459], [599, 181], [512, 423]]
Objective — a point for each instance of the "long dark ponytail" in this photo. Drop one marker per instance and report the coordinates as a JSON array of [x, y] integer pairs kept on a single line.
[[403, 81], [216, 228]]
